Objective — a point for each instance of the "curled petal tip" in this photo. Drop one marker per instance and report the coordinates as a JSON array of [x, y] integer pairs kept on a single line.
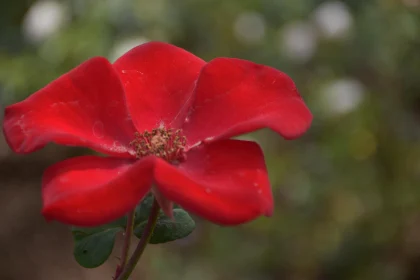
[[48, 218], [269, 212]]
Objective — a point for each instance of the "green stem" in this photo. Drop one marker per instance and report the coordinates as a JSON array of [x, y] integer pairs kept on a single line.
[[127, 242], [144, 240]]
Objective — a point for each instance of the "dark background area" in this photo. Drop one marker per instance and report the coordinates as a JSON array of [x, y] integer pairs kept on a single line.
[[347, 193]]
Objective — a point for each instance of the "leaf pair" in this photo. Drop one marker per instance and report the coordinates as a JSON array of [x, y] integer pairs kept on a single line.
[[93, 246]]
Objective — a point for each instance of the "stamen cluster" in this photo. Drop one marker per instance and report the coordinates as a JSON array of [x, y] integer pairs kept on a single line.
[[168, 144]]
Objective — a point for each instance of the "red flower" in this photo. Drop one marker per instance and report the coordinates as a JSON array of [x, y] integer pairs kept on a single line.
[[164, 117]]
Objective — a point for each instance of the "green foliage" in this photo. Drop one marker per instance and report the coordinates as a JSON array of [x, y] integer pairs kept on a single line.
[[168, 229], [93, 246]]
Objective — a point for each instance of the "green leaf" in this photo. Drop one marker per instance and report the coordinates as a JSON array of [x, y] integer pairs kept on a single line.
[[168, 229], [143, 210], [93, 246]]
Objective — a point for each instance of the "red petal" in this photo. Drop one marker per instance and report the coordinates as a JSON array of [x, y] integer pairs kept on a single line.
[[84, 107], [165, 204], [225, 182], [90, 191], [159, 80], [235, 96]]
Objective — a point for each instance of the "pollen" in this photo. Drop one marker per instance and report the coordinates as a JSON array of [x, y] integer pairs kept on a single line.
[[168, 144]]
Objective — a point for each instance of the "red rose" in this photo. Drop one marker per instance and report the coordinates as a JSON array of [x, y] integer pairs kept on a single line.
[[164, 117]]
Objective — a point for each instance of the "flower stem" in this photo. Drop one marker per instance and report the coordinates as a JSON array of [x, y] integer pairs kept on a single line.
[[127, 242], [144, 240]]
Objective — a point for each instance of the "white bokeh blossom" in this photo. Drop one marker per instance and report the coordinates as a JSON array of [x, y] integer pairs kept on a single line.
[[249, 28], [333, 19], [298, 41], [43, 19], [342, 96], [124, 45]]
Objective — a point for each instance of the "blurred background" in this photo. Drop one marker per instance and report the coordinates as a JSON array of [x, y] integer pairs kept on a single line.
[[347, 193]]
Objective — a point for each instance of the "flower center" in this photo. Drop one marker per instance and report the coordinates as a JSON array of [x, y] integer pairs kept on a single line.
[[168, 144]]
